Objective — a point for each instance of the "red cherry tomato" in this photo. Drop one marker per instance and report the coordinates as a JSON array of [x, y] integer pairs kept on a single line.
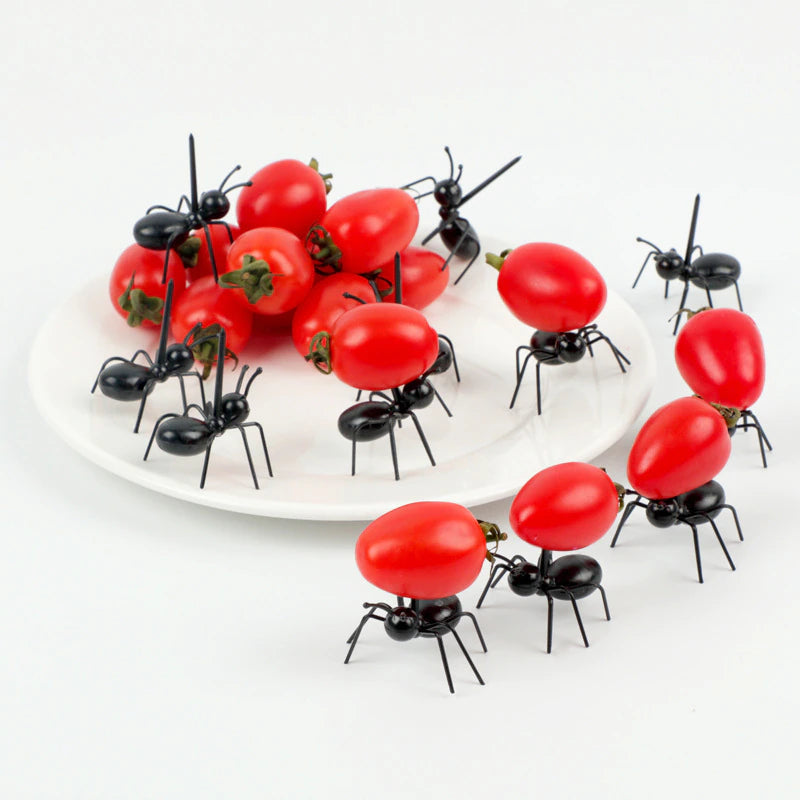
[[422, 550], [369, 227], [720, 355], [324, 304], [683, 445], [550, 287], [202, 260], [423, 277], [565, 507], [382, 346], [286, 259], [285, 194], [204, 301], [148, 265]]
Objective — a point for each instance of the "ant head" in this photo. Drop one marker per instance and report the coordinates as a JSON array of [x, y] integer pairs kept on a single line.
[[214, 204], [669, 265], [418, 393], [402, 624], [178, 358], [570, 347], [524, 579], [443, 361], [447, 192], [234, 408], [662, 513]]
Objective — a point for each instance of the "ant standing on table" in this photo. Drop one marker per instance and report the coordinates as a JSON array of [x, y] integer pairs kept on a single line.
[[456, 232], [169, 228], [711, 271]]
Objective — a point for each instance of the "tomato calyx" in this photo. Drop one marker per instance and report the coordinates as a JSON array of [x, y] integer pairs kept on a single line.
[[326, 176], [689, 312], [140, 306], [497, 261], [319, 352], [324, 252], [493, 536], [188, 251], [728, 413], [204, 344], [254, 278]]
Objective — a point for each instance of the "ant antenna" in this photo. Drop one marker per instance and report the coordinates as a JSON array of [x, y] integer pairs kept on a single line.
[[398, 280], [258, 371], [225, 179], [657, 248], [690, 243], [191, 333], [483, 185], [193, 172], [241, 378], [165, 311], [452, 166]]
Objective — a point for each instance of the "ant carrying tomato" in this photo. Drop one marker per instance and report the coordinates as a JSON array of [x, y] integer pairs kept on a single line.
[[455, 231], [169, 228], [559, 292], [563, 507], [672, 462], [425, 552], [711, 271]]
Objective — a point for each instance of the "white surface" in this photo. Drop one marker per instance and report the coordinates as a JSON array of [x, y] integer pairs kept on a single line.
[[154, 649], [484, 452]]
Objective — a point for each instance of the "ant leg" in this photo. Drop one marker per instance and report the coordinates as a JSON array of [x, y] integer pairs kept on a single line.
[[105, 364], [474, 622], [353, 459], [161, 208], [750, 414], [666, 289], [184, 199], [145, 392], [680, 306], [419, 180], [166, 256], [358, 396], [738, 296], [605, 599], [511, 563], [466, 655], [260, 429], [577, 616], [469, 264], [644, 264], [735, 519], [442, 402], [721, 543], [357, 632], [205, 464], [696, 552], [422, 437], [393, 446], [444, 661], [538, 388], [249, 456], [381, 395], [494, 575], [438, 229], [145, 354], [696, 247], [520, 372], [618, 354], [200, 383], [153, 434], [708, 295], [211, 256], [625, 514], [449, 342], [227, 227], [549, 623]]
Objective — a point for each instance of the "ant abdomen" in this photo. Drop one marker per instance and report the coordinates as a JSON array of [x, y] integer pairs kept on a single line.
[[126, 381], [183, 436], [439, 611], [365, 422], [715, 271], [577, 575], [160, 228], [703, 503]]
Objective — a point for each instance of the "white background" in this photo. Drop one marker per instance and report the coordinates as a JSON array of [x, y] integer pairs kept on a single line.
[[151, 649]]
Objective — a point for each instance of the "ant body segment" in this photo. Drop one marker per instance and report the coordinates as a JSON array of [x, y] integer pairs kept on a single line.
[[691, 508], [129, 381], [570, 577], [426, 618], [455, 231], [168, 228], [183, 435], [711, 271]]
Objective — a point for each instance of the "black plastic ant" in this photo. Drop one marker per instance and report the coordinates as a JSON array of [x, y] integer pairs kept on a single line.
[[456, 233], [711, 271], [169, 228], [571, 577], [691, 508], [553, 348], [427, 618], [183, 435], [128, 381]]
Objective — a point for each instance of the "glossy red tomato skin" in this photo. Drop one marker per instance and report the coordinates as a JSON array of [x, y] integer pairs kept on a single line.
[[324, 304], [565, 507], [382, 346], [369, 227], [683, 445], [285, 194], [423, 277], [222, 244], [287, 258], [204, 301], [720, 354], [551, 287], [423, 550], [149, 268]]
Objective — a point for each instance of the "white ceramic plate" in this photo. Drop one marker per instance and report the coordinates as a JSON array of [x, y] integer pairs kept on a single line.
[[484, 453]]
